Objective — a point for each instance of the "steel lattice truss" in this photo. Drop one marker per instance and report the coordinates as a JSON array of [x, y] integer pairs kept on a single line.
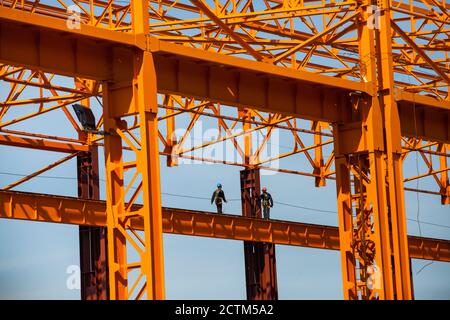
[[328, 38], [318, 36], [51, 97]]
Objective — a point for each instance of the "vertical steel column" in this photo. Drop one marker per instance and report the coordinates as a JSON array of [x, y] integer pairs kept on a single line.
[[115, 206], [445, 199], [412, 279], [363, 221], [146, 97], [372, 221], [250, 186], [396, 201], [172, 161], [133, 98], [319, 167], [152, 258], [344, 200], [93, 262], [445, 189], [260, 263], [120, 211], [363, 216]]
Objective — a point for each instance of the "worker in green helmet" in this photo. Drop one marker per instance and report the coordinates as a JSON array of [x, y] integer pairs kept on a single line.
[[266, 202], [218, 197]]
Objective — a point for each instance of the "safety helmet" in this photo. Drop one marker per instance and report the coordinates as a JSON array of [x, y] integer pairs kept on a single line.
[[219, 185], [264, 189]]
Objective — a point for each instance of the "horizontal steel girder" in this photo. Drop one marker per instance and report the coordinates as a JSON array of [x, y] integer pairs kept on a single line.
[[41, 144], [39, 42], [58, 209]]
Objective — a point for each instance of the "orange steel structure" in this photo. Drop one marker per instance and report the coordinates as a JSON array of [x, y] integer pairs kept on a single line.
[[69, 210], [366, 81]]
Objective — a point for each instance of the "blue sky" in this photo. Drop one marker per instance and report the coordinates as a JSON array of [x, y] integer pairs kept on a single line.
[[34, 256]]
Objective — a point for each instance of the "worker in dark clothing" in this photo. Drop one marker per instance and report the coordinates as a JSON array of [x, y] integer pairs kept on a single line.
[[218, 198], [266, 202]]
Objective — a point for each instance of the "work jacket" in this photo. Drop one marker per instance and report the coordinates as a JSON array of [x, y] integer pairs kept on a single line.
[[266, 200], [218, 196]]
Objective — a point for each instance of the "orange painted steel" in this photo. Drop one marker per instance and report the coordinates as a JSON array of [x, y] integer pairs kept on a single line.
[[68, 210], [259, 257], [41, 144], [375, 78], [92, 240], [191, 72]]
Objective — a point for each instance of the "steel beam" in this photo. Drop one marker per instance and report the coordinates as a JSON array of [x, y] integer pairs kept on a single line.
[[106, 55], [68, 210], [41, 144], [49, 45]]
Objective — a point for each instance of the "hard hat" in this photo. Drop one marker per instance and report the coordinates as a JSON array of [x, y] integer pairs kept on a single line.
[[264, 189], [219, 185]]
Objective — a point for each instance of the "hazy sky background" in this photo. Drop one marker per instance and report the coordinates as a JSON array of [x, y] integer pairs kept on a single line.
[[34, 256]]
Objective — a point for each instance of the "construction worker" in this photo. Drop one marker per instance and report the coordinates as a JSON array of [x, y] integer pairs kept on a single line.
[[267, 202], [218, 197]]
